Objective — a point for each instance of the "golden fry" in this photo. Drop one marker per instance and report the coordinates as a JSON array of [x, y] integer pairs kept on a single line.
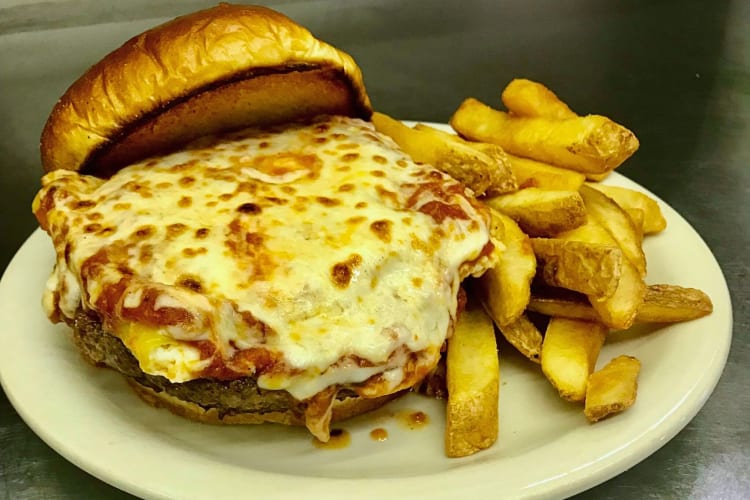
[[468, 165], [541, 212], [506, 288], [532, 173], [524, 336], [661, 304], [672, 303], [559, 302], [619, 309], [613, 388], [589, 144], [616, 221], [473, 382], [597, 177], [581, 240], [502, 179], [636, 215], [528, 98], [569, 353], [653, 219], [590, 268]]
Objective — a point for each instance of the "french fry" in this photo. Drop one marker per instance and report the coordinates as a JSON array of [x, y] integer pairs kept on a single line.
[[473, 383], [542, 212], [503, 178], [585, 250], [590, 268], [661, 304], [616, 221], [524, 97], [672, 303], [619, 309], [528, 98], [586, 242], [597, 177], [558, 302], [636, 215], [653, 219], [569, 353], [589, 144], [613, 388], [532, 173], [506, 288], [524, 336], [453, 156]]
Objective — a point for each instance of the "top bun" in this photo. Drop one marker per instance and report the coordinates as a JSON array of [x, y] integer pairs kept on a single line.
[[223, 68]]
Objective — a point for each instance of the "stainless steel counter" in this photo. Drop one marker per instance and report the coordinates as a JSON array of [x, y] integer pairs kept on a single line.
[[676, 72]]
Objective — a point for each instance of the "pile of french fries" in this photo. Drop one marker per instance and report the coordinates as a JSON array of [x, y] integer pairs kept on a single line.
[[570, 264]]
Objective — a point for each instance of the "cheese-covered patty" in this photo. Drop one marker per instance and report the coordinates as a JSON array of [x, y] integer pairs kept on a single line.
[[310, 256]]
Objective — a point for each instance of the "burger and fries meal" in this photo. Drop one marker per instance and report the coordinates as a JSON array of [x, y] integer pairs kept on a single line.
[[243, 239]]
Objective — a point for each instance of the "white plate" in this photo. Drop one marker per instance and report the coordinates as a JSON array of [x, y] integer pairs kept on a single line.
[[545, 447]]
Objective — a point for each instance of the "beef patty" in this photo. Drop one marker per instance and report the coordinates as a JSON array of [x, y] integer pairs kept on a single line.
[[227, 397]]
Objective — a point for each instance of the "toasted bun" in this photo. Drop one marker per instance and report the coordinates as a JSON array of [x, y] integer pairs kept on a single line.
[[342, 409], [223, 68]]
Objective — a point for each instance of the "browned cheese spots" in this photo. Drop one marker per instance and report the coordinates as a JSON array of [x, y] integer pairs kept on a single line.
[[276, 200], [143, 232], [357, 219], [342, 272], [83, 205], [382, 229], [190, 282], [386, 195], [249, 209], [145, 253], [176, 229], [328, 202], [192, 252]]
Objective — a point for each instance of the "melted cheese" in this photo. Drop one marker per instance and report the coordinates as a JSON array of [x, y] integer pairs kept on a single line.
[[159, 353], [322, 245]]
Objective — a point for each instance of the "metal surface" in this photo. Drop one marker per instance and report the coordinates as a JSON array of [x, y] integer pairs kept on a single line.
[[676, 72]]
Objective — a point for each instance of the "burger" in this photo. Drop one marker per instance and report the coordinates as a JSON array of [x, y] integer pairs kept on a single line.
[[234, 237]]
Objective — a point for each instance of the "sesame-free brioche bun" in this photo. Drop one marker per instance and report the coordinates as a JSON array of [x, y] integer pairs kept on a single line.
[[223, 68]]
